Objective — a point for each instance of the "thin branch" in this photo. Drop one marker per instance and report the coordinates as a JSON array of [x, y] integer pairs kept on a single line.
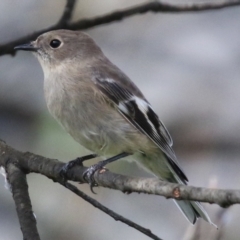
[[109, 212], [154, 6], [51, 168], [222, 197], [68, 11], [19, 186]]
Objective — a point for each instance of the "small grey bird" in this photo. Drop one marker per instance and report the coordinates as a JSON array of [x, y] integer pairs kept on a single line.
[[103, 110]]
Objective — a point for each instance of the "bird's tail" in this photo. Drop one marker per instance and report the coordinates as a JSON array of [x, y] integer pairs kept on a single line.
[[171, 172], [192, 211]]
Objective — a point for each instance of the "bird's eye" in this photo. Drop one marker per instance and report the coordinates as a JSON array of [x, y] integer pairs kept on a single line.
[[55, 43]]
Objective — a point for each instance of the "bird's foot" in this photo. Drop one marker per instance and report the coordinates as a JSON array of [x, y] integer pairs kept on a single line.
[[76, 162], [88, 174]]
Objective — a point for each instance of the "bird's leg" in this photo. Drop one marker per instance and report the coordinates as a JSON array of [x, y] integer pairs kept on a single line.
[[88, 174], [78, 161]]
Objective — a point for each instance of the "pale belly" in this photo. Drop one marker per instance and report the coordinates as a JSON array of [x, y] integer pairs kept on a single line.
[[94, 123], [111, 136], [105, 132]]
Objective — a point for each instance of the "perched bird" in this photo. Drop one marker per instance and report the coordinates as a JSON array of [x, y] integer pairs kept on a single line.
[[103, 110]]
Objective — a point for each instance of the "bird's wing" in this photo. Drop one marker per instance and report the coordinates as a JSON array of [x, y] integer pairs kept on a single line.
[[136, 109]]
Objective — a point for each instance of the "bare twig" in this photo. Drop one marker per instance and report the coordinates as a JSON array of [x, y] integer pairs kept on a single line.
[[19, 186], [154, 6], [109, 212], [51, 168], [67, 14]]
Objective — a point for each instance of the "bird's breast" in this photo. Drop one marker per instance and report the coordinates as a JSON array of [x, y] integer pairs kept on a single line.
[[89, 118]]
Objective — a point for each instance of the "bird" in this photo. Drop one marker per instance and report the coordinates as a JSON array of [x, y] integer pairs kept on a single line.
[[104, 111]]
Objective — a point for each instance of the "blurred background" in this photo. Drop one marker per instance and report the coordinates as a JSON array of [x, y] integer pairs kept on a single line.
[[186, 64]]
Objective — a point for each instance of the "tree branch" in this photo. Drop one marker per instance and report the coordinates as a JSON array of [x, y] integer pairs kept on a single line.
[[18, 182], [154, 6], [111, 213], [51, 168], [67, 14]]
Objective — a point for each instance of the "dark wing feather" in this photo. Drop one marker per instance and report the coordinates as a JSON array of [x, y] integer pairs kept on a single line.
[[119, 94], [142, 117]]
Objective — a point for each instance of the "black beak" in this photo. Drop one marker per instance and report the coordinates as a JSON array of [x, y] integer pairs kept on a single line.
[[26, 47]]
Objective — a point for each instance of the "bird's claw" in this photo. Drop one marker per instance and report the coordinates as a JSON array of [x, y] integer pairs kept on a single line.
[[66, 167], [88, 175], [63, 172], [76, 162]]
